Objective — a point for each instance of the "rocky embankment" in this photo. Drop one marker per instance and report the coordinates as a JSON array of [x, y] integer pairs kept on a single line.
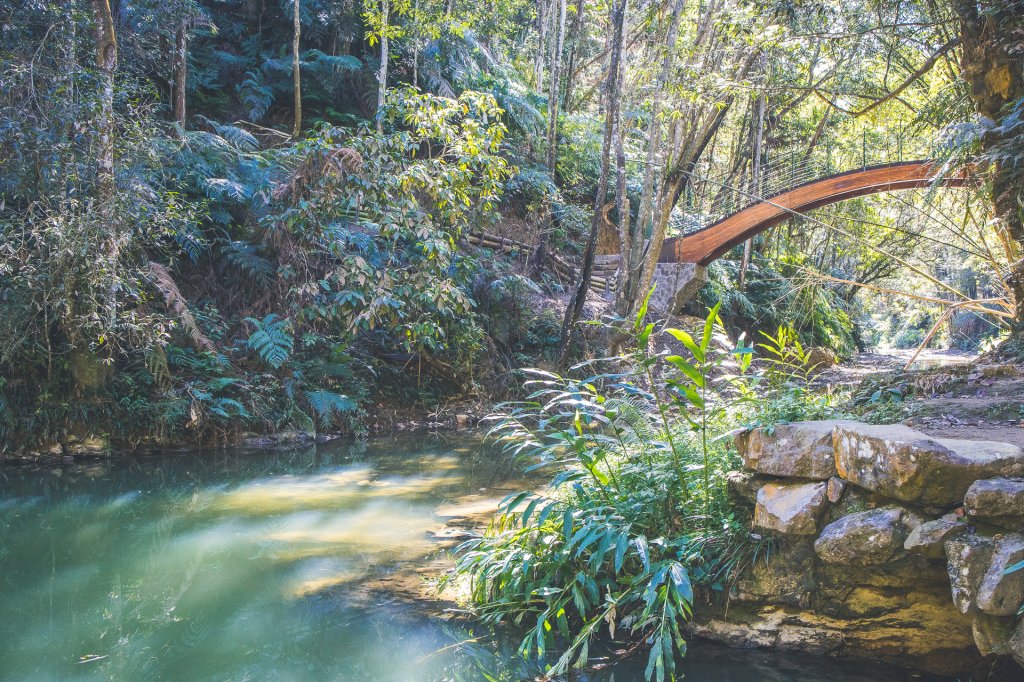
[[892, 545]]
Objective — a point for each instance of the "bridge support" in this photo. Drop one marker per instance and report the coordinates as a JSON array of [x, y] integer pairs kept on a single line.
[[675, 284]]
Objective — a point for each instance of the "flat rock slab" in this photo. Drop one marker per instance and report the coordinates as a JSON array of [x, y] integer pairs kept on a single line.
[[899, 462], [865, 538], [789, 508], [797, 450], [997, 500]]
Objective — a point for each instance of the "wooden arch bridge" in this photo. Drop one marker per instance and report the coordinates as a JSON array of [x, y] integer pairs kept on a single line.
[[711, 242], [683, 258]]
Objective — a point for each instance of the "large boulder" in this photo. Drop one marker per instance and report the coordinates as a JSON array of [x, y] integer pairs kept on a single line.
[[968, 560], [784, 576], [866, 538], [899, 462], [790, 508], [992, 634], [997, 500], [929, 538], [1001, 593], [798, 450]]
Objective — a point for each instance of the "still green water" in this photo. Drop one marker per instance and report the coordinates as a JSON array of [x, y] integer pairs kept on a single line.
[[262, 565]]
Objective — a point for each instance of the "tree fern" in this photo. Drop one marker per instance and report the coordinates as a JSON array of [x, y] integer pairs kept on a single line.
[[243, 256], [328, 405], [224, 188], [272, 339], [320, 61], [191, 240], [256, 95]]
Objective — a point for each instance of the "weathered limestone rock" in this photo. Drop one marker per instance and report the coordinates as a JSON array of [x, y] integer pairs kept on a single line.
[[871, 537], [969, 557], [789, 508], [999, 593], [743, 485], [992, 634], [997, 500], [834, 489], [913, 628], [899, 462], [786, 576], [1016, 644], [798, 450], [929, 538]]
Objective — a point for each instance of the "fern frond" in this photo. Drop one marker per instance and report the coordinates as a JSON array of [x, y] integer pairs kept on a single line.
[[272, 339], [327, 405], [321, 61], [223, 188], [243, 256]]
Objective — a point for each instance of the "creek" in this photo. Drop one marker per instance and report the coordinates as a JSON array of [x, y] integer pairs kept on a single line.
[[275, 564]]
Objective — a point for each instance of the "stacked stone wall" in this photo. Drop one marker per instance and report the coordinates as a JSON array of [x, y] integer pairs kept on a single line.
[[889, 544]]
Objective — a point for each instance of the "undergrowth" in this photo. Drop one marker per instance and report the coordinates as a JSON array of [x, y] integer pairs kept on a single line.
[[636, 522]]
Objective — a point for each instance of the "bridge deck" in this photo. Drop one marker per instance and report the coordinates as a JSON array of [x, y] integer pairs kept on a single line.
[[713, 241]]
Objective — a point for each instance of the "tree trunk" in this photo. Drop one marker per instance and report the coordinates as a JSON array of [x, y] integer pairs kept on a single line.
[[574, 44], [631, 262], [180, 72], [538, 56], [106, 64], [416, 46], [382, 74], [757, 139], [296, 69], [682, 163], [613, 89], [553, 89], [992, 42], [539, 257]]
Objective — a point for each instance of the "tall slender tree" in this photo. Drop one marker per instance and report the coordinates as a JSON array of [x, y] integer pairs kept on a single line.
[[553, 87], [631, 239], [613, 92], [106, 65], [538, 56], [297, 67], [180, 68], [382, 73]]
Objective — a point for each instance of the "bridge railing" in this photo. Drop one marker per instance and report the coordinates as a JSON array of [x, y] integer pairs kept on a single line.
[[712, 196]]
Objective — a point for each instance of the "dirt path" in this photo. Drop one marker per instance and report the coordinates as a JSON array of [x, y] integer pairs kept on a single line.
[[948, 394]]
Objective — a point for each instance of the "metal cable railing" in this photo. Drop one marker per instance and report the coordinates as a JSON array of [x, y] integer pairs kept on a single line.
[[710, 198]]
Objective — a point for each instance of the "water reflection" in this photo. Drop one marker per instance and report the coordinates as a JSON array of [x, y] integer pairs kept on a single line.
[[263, 566]]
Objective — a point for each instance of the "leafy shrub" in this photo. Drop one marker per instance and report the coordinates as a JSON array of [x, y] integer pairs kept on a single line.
[[636, 516]]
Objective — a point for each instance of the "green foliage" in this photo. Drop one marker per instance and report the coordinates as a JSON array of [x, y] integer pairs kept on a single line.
[[329, 406], [315, 258], [272, 338], [635, 519], [771, 300]]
